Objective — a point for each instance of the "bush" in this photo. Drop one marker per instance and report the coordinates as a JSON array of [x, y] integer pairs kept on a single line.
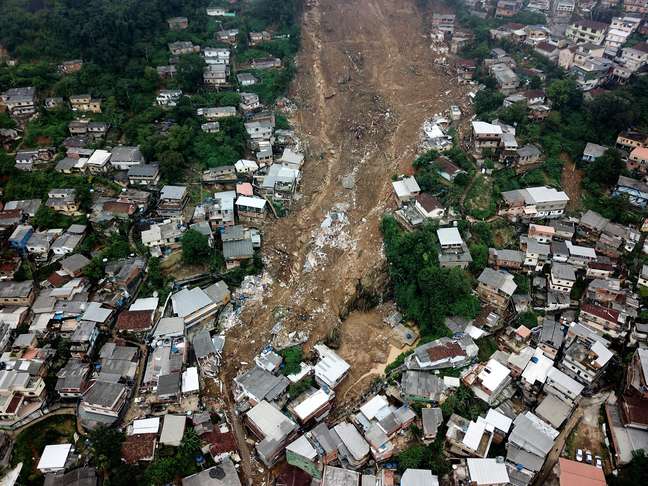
[[292, 357], [195, 248]]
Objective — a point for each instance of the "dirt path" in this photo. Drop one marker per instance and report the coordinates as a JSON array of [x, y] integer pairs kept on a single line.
[[366, 82]]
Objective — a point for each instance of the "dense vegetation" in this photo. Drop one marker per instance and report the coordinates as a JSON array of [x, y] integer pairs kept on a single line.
[[425, 292], [121, 43]]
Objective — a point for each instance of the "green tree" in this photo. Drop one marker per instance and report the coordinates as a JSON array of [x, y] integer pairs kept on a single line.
[[292, 357], [105, 448], [190, 72], [195, 247], [487, 101], [565, 94], [412, 458], [606, 169], [95, 270], [633, 473]]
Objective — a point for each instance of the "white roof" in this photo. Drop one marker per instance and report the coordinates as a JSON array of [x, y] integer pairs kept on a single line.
[[243, 164], [451, 381], [487, 471], [542, 194], [474, 434], [144, 303], [290, 157], [188, 301], [498, 420], [493, 374], [434, 131], [405, 187], [480, 127], [537, 368], [95, 313], [99, 158], [474, 332], [373, 406], [353, 441], [251, 202], [419, 477], [270, 421], [565, 381], [54, 456], [584, 251], [190, 380], [173, 429], [330, 367], [603, 353], [302, 447], [146, 426], [449, 236], [312, 404]]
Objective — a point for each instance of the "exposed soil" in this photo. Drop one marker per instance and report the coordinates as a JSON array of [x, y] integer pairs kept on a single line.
[[366, 82], [570, 180], [588, 434]]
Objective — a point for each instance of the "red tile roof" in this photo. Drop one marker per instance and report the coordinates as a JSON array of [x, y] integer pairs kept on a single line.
[[428, 201], [134, 320], [446, 165], [117, 207], [57, 280], [574, 473], [219, 442], [633, 410], [601, 266], [448, 350], [140, 447], [611, 315]]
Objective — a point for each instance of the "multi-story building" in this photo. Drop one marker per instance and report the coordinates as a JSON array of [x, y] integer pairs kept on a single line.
[[486, 137], [586, 357], [603, 320], [20, 101], [443, 22], [635, 190], [534, 203], [173, 201], [85, 103], [562, 277], [495, 287], [454, 251], [636, 6], [587, 31], [215, 74], [633, 404]]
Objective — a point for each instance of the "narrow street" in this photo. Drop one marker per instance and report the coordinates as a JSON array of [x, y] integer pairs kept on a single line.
[[239, 434]]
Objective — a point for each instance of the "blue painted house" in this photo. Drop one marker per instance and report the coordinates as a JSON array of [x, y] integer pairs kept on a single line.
[[636, 191], [20, 236]]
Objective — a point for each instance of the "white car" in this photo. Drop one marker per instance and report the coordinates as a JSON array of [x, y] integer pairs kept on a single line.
[[598, 462], [579, 455]]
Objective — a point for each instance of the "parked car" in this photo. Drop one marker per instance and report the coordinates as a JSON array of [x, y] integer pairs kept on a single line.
[[579, 455], [588, 457], [599, 462]]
